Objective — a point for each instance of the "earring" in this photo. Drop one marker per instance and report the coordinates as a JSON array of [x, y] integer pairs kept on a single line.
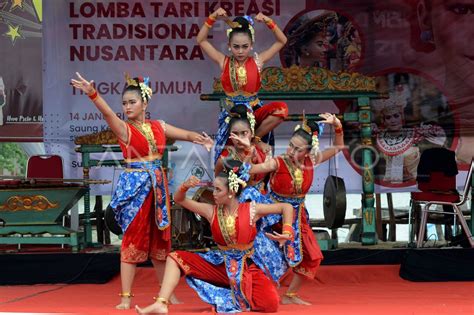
[[228, 48], [426, 36], [251, 48], [230, 197]]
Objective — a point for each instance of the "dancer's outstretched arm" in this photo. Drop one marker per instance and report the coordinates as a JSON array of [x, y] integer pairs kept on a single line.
[[265, 167], [117, 125], [176, 133]]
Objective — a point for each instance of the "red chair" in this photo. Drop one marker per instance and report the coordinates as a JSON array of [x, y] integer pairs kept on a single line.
[[436, 174], [440, 189], [44, 166]]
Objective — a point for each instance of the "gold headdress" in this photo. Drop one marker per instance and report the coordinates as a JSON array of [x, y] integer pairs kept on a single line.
[[304, 125], [313, 134], [130, 81], [142, 83]]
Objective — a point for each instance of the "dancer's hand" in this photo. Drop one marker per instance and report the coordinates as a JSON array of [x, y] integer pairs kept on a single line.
[[331, 119], [219, 14], [82, 84], [266, 148], [243, 141], [280, 238], [262, 18], [204, 140], [191, 182]]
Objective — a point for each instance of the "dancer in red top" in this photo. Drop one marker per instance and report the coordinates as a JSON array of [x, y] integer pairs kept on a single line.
[[141, 200], [240, 76], [232, 278], [290, 181]]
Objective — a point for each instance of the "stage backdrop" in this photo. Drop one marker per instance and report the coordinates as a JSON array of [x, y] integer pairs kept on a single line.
[[21, 111], [420, 56]]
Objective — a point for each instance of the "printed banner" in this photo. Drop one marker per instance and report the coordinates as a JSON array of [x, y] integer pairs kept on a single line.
[[416, 49]]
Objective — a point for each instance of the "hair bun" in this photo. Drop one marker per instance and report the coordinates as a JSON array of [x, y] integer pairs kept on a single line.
[[231, 164], [313, 125], [239, 111], [244, 23]]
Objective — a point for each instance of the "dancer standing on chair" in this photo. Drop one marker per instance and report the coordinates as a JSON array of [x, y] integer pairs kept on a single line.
[[240, 75], [290, 180], [141, 199], [232, 278]]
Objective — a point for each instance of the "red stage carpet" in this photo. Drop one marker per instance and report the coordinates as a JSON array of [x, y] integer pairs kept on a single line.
[[338, 290]]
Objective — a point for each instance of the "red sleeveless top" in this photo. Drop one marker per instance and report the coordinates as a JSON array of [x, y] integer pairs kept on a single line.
[[253, 77], [282, 183], [244, 232], [139, 146]]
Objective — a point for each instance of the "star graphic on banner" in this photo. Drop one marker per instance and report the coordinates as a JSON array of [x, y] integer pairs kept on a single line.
[[16, 3], [13, 33]]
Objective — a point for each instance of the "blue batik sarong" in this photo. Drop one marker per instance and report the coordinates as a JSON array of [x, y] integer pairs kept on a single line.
[[137, 181]]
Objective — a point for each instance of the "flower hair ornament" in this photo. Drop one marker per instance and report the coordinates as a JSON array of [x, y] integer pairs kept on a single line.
[[233, 25], [236, 180], [143, 84]]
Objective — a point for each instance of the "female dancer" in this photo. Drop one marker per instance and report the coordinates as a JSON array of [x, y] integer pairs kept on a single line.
[[290, 180], [240, 76], [244, 147], [140, 202], [231, 278]]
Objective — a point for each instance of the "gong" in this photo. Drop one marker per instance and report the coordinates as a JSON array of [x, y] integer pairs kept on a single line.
[[334, 202], [110, 222]]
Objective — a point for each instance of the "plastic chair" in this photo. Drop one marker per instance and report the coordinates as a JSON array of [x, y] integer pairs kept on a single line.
[[44, 166], [444, 198], [436, 179]]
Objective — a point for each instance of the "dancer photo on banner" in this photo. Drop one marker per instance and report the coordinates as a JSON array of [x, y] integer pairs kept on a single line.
[[415, 116], [323, 38]]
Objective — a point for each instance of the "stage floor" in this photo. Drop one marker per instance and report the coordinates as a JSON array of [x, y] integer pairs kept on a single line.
[[355, 289]]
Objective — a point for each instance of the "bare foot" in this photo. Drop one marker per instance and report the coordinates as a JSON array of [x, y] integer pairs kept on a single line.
[[124, 303], [174, 300], [293, 300], [155, 308]]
